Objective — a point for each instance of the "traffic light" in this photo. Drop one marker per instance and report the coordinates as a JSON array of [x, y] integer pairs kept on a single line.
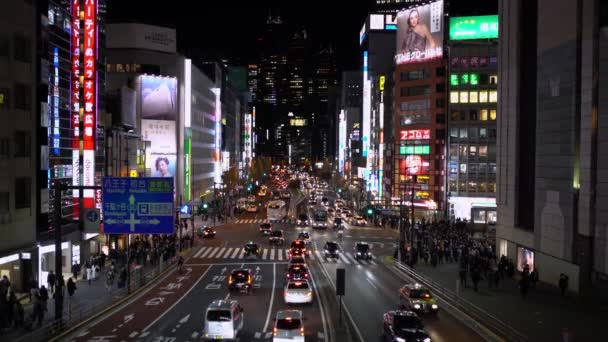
[[370, 211], [339, 190], [249, 187], [205, 206]]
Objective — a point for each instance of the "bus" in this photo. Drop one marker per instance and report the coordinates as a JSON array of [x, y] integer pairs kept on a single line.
[[319, 217], [276, 210]]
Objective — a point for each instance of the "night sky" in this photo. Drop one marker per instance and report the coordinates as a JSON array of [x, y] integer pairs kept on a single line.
[[230, 31]]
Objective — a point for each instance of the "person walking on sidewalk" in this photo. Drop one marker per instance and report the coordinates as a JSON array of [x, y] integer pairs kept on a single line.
[[50, 280], [475, 277], [524, 285], [44, 296], [534, 277], [88, 272], [463, 274], [75, 270], [563, 283], [109, 279], [71, 287]]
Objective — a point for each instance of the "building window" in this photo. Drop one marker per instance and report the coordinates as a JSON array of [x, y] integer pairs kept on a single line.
[[483, 133], [473, 168], [440, 71], [455, 116], [473, 115], [464, 79], [4, 202], [473, 132], [463, 133], [483, 151], [494, 80], [493, 97], [23, 95], [454, 80], [415, 105], [453, 186], [453, 97], [4, 46], [483, 115], [416, 90], [464, 97], [473, 79], [453, 132], [483, 97], [473, 151], [463, 168], [472, 186], [415, 75], [22, 192], [440, 87], [493, 114], [440, 134], [22, 144], [440, 119], [483, 79], [4, 148], [462, 151], [440, 103], [492, 187], [415, 119], [483, 168], [3, 98], [473, 97], [492, 133], [22, 48], [482, 187]]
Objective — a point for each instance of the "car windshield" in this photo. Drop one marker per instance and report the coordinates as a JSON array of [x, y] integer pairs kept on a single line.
[[265, 225], [331, 246], [420, 293], [406, 322], [218, 315], [297, 269], [362, 247], [297, 260], [277, 233], [298, 285], [240, 275], [288, 324], [303, 217], [303, 236]]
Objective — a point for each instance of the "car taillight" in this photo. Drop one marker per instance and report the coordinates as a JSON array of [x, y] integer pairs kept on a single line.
[[288, 275], [302, 331], [305, 275], [230, 280], [274, 332], [249, 280], [303, 249]]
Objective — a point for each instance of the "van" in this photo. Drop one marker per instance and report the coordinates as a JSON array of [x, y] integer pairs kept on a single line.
[[223, 320]]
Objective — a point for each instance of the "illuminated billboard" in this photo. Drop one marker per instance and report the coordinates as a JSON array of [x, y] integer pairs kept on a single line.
[[478, 27], [415, 134], [415, 149], [75, 99], [420, 33], [158, 97], [161, 158], [414, 165], [298, 122]]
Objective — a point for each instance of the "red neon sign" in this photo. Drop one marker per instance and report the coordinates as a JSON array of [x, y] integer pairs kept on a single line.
[[89, 97], [75, 104], [416, 134]]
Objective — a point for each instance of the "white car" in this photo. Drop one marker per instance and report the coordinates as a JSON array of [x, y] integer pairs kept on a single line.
[[297, 292], [358, 221], [252, 208], [288, 326]]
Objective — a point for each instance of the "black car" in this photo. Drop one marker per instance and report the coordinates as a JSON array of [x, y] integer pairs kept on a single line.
[[297, 272], [337, 222], [266, 228], [250, 248], [208, 233], [362, 251], [276, 237], [331, 249], [303, 220], [398, 325], [240, 280]]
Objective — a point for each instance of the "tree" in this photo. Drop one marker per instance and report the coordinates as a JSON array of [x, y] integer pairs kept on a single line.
[[230, 177]]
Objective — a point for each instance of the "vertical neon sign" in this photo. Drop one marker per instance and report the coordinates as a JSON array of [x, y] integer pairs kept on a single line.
[[75, 107], [90, 101], [55, 102], [218, 132]]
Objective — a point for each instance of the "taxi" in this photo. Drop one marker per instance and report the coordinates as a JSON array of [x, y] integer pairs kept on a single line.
[[417, 298]]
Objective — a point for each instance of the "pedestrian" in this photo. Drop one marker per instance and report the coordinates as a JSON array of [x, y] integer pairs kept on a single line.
[[94, 271], [524, 285], [88, 271], [475, 277], [71, 287], [43, 294], [109, 279], [534, 277], [563, 283], [18, 314], [74, 270], [50, 280], [463, 275], [11, 301]]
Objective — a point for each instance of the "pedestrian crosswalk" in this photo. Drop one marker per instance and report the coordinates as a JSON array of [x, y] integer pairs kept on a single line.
[[257, 220], [276, 254]]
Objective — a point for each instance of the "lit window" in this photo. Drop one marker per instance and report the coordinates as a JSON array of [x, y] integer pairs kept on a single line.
[[493, 96], [474, 79], [473, 97], [483, 150], [464, 97], [483, 115], [493, 114], [453, 97], [483, 97], [463, 168], [454, 80], [493, 80]]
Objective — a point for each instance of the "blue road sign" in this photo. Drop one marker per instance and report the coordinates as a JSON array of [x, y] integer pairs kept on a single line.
[[138, 205]]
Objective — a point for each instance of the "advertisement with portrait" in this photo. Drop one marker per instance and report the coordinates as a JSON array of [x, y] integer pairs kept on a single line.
[[414, 165], [161, 158], [420, 33], [525, 256], [158, 97]]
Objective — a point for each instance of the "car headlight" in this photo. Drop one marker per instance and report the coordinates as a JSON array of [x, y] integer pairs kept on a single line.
[[399, 339], [308, 294], [434, 307], [358, 253], [428, 339], [416, 306]]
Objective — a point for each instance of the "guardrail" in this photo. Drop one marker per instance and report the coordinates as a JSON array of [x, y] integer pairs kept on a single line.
[[490, 327], [71, 317]]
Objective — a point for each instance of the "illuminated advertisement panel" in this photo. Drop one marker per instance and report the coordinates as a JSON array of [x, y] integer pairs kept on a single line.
[[75, 104], [247, 140], [415, 134], [415, 149], [478, 27], [161, 158], [420, 33], [158, 97], [90, 100], [414, 165], [341, 142]]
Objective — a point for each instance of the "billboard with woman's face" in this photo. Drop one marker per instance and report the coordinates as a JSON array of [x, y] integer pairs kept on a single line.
[[161, 157], [420, 33]]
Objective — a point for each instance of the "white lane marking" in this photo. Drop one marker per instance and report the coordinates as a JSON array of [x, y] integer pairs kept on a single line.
[[133, 334], [274, 278], [228, 252], [236, 251], [280, 254], [213, 251], [257, 335], [241, 254], [272, 251], [204, 255], [195, 334], [177, 301], [199, 252], [314, 286], [237, 221], [228, 295], [319, 255], [344, 259], [219, 255], [264, 254]]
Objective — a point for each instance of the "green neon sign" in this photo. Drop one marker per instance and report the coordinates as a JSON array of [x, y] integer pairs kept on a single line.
[[187, 162], [478, 27], [473, 79], [454, 80], [419, 149], [464, 78]]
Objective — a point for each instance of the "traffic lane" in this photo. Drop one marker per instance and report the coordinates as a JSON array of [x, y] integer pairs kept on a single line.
[[313, 318], [370, 292], [186, 320], [131, 320]]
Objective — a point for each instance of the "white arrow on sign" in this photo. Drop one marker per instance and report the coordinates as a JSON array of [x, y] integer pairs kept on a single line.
[[128, 318], [185, 319]]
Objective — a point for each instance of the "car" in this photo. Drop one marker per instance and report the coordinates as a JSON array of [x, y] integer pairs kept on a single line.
[[223, 320], [251, 198], [331, 250], [297, 292], [240, 279], [208, 233], [303, 220], [288, 326], [295, 260], [401, 325], [330, 211], [298, 245], [286, 194], [296, 272], [417, 298], [252, 208], [262, 193], [348, 217], [358, 221], [325, 201], [266, 228], [276, 237], [362, 251], [251, 249], [304, 236], [338, 222], [296, 253], [241, 204]]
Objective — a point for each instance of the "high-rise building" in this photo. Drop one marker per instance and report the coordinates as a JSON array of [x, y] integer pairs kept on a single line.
[[552, 133], [350, 102], [252, 81], [472, 113], [324, 77]]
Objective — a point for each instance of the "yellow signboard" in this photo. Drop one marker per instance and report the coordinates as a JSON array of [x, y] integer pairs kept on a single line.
[[382, 80], [133, 173]]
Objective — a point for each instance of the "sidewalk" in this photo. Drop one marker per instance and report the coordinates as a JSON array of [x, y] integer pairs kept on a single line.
[[541, 316]]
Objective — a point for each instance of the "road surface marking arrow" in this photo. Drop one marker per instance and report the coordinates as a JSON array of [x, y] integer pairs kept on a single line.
[[128, 318], [185, 319]]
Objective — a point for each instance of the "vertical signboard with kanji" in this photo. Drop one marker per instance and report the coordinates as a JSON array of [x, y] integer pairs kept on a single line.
[[90, 100], [75, 100]]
